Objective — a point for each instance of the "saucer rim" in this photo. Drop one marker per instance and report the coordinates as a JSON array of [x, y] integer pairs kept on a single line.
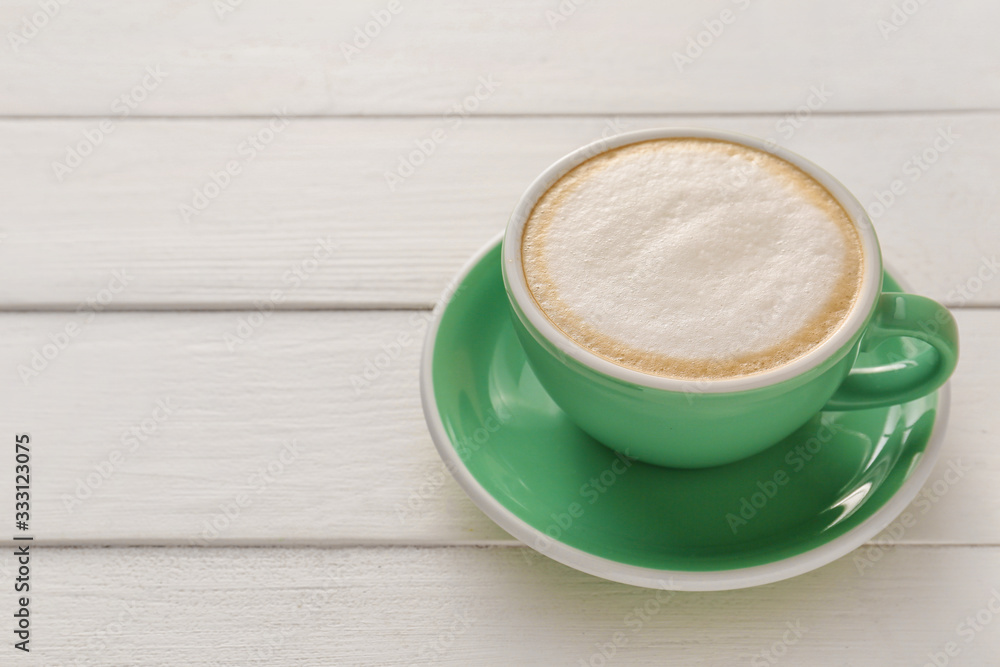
[[635, 575]]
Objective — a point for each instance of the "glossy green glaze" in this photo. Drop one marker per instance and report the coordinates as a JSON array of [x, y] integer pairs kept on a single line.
[[828, 477]]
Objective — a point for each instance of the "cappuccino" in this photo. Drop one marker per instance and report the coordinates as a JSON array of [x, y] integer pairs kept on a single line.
[[692, 258]]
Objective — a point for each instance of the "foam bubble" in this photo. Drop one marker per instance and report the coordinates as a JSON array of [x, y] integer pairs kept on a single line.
[[692, 258]]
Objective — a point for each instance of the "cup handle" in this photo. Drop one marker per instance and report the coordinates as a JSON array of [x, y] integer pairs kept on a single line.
[[893, 379]]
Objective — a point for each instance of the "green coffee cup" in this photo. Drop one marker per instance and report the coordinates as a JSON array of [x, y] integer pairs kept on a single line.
[[700, 423]]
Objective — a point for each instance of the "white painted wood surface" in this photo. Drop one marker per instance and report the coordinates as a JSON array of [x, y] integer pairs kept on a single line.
[[605, 57], [356, 547], [322, 181], [497, 606]]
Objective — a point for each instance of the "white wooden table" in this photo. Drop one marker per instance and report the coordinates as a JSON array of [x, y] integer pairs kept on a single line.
[[190, 293]]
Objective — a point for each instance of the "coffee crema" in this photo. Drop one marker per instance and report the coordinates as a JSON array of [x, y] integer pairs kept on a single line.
[[692, 258]]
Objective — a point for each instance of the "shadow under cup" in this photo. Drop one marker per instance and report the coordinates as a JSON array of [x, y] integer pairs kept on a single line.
[[695, 424]]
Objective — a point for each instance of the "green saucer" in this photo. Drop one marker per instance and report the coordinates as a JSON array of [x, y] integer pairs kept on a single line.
[[810, 499]]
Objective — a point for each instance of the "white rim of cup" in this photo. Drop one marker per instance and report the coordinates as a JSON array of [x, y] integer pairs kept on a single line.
[[870, 282], [674, 580]]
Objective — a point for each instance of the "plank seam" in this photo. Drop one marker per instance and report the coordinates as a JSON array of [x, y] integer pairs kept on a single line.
[[250, 308], [139, 117]]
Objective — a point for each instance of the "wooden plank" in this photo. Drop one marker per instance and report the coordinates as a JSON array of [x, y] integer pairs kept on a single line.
[[546, 57], [312, 219], [469, 606], [149, 428]]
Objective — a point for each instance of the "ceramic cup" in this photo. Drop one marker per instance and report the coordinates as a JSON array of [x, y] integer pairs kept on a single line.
[[701, 423]]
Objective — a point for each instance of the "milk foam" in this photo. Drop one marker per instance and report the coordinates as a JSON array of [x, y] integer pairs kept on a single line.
[[692, 258]]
